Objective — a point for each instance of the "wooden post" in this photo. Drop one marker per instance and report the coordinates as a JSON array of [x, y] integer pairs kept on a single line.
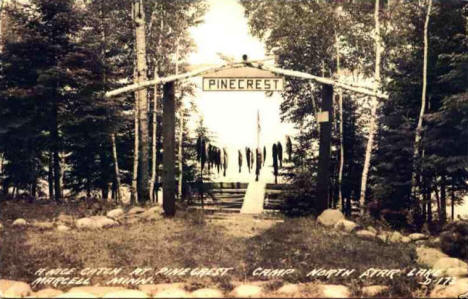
[[323, 179], [168, 134]]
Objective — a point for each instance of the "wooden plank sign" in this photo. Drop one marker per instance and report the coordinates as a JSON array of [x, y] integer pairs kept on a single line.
[[242, 79]]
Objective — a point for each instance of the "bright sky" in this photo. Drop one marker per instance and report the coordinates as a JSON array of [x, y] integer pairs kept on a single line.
[[232, 116]]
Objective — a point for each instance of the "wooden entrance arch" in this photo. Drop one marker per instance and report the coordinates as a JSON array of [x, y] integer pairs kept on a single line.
[[168, 134]]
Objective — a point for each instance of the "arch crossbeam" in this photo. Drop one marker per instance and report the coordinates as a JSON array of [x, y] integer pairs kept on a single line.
[[256, 64]]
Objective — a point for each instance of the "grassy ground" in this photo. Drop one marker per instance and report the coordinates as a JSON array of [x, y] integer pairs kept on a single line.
[[189, 241]]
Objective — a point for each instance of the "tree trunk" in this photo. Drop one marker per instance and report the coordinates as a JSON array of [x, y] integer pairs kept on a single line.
[[340, 111], [116, 168], [134, 190], [51, 176], [153, 193], [169, 184], [443, 200], [143, 168], [373, 116], [181, 132], [55, 154], [418, 135]]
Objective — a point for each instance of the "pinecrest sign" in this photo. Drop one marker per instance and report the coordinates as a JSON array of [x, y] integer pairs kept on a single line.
[[242, 79]]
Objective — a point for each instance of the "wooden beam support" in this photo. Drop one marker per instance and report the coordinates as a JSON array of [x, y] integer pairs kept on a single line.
[[168, 134]]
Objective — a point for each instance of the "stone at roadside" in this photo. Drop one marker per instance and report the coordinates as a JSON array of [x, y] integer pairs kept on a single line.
[[459, 288], [289, 289], [76, 294], [62, 228], [384, 236], [365, 234], [429, 256], [346, 225], [417, 237], [172, 293], [14, 289], [65, 219], [115, 213], [126, 294], [152, 289], [371, 229], [86, 223], [136, 210], [47, 293], [104, 222], [395, 237], [151, 215], [97, 291], [372, 291], [330, 217], [207, 293], [456, 272], [454, 266], [155, 209], [19, 222], [334, 291], [247, 291], [43, 225], [95, 222], [405, 240]]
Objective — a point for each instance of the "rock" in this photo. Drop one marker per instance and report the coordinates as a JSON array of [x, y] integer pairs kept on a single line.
[[136, 210], [371, 229], [405, 240], [417, 236], [459, 288], [428, 256], [19, 222], [155, 209], [346, 225], [435, 242], [47, 293], [115, 213], [365, 234], [126, 294], [43, 225], [97, 291], [151, 215], [330, 217], [334, 291], [289, 289], [66, 219], [152, 289], [104, 222], [452, 265], [1, 226], [172, 293], [76, 294], [207, 293], [86, 223], [395, 237], [384, 236], [14, 289], [246, 291], [62, 228], [456, 272], [371, 291]]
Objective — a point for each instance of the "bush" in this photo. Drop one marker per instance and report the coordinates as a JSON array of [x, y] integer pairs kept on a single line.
[[454, 239]]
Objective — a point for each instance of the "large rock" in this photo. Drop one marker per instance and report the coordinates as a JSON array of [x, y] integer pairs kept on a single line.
[[172, 293], [334, 291], [372, 291], [1, 226], [95, 222], [126, 294], [384, 236], [62, 228], [405, 240], [19, 222], [76, 294], [43, 225], [346, 225], [115, 213], [417, 237], [14, 289], [459, 288], [65, 219], [247, 291], [330, 217], [104, 222], [365, 234], [451, 267], [207, 293], [428, 256], [97, 291], [152, 289], [151, 215], [395, 237], [371, 229], [289, 290], [47, 293], [86, 223], [135, 210]]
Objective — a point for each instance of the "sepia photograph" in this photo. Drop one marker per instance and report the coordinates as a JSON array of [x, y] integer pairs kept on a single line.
[[233, 149]]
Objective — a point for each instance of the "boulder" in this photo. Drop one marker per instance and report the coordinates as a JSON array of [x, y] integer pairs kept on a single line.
[[346, 225], [207, 293], [1, 226], [95, 222], [428, 256], [156, 209], [334, 291], [371, 229], [330, 217], [86, 223], [384, 236], [372, 291], [43, 225], [289, 289], [19, 222], [451, 265], [136, 210], [66, 219], [395, 237], [126, 294], [417, 236], [405, 240], [151, 215], [14, 289], [97, 291], [247, 291], [172, 293], [456, 290], [365, 234], [47, 293], [76, 294], [152, 289], [115, 213], [104, 222], [62, 228], [456, 272]]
